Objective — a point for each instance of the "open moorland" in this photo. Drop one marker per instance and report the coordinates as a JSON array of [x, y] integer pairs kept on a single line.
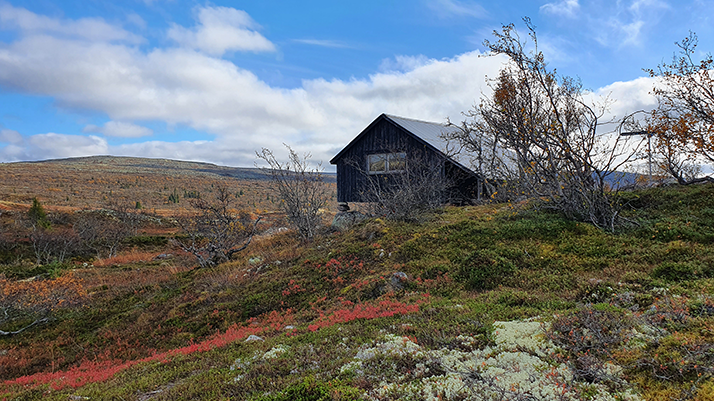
[[497, 302], [97, 181]]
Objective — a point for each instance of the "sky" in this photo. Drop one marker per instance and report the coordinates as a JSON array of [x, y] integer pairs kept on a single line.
[[217, 81]]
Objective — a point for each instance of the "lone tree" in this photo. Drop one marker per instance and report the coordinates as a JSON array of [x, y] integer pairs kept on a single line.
[[300, 188], [37, 215], [544, 136], [683, 123], [216, 231]]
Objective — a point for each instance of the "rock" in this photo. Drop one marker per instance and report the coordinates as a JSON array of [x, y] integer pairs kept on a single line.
[[398, 280], [344, 220], [252, 338]]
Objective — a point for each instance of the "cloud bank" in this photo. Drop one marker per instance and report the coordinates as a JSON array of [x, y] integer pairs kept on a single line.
[[191, 85]]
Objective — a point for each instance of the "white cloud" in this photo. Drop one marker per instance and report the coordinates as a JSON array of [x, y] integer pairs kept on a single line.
[[615, 24], [564, 8], [94, 29], [629, 97], [450, 8], [403, 63], [182, 87], [59, 145], [136, 20], [323, 43], [232, 106], [221, 29], [10, 136], [53, 146], [627, 23], [644, 6], [119, 129]]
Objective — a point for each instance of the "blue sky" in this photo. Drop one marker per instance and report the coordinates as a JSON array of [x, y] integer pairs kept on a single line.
[[216, 81]]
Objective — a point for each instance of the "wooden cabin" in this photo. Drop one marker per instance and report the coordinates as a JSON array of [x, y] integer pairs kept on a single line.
[[390, 145]]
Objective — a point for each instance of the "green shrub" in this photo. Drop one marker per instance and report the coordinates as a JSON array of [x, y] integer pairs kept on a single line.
[[537, 225], [515, 298], [675, 271], [485, 270]]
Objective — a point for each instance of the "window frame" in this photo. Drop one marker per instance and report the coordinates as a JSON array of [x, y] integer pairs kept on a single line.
[[401, 157]]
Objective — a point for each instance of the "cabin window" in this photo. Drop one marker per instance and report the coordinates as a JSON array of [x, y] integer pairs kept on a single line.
[[386, 163]]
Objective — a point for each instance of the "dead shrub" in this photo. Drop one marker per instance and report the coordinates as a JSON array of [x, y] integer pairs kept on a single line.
[[590, 335], [216, 231], [300, 188]]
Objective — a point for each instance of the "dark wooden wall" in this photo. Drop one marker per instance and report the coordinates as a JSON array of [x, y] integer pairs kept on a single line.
[[382, 137]]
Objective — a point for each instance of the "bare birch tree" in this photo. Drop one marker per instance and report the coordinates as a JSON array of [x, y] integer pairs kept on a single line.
[[545, 136], [683, 123], [216, 231], [300, 188]]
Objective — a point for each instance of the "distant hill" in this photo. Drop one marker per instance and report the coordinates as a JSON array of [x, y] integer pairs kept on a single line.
[[134, 165], [620, 180], [96, 181]]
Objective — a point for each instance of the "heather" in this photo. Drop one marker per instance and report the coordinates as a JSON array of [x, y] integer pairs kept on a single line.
[[499, 301]]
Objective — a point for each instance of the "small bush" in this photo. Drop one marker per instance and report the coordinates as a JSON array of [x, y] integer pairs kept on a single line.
[[679, 357], [484, 270], [300, 188], [37, 214], [515, 298], [590, 335], [675, 271]]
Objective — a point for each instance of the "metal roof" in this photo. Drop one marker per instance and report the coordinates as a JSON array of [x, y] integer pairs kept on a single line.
[[431, 133]]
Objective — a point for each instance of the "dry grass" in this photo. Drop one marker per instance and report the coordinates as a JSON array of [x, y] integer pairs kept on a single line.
[[73, 184], [133, 256]]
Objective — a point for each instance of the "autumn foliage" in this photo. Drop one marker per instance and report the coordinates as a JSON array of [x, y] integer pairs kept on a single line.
[[90, 371], [683, 123], [29, 302], [539, 137]]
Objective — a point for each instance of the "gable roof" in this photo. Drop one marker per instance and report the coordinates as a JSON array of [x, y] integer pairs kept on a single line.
[[424, 131]]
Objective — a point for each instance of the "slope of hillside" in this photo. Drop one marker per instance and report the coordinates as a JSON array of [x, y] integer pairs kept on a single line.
[[97, 181], [489, 300]]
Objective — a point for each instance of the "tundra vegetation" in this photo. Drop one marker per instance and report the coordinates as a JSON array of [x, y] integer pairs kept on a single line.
[[500, 301]]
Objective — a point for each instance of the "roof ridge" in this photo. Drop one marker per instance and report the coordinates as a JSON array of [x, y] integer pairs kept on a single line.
[[414, 119]]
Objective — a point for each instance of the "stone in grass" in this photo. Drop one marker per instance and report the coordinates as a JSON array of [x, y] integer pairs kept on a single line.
[[344, 220], [253, 337], [398, 280]]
